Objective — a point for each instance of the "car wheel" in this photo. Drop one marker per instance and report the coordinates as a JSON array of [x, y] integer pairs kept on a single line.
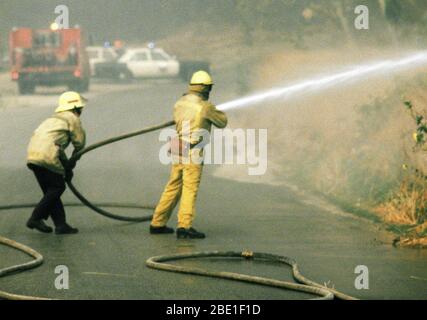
[[125, 75]]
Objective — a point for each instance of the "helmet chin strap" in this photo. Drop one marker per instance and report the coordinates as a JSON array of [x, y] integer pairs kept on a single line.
[[201, 89], [77, 110], [206, 95]]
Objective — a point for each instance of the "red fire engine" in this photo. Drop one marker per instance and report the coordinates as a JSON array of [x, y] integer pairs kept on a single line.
[[48, 57]]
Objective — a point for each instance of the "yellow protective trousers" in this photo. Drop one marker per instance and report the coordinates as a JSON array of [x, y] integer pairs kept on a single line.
[[183, 185]]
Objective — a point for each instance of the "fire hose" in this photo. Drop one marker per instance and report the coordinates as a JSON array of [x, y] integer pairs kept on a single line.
[[100, 144], [304, 285]]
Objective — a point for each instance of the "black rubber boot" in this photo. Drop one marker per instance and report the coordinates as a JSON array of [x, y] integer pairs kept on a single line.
[[191, 233], [161, 230], [66, 229], [39, 225]]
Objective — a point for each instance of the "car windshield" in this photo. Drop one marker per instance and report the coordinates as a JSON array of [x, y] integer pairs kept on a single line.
[[139, 56], [158, 55]]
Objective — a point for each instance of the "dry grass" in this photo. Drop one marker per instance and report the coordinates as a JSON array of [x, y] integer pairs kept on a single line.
[[406, 210], [412, 242], [407, 207]]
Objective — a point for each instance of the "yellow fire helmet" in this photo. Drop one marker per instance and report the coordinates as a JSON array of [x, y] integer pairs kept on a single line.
[[201, 77], [70, 100]]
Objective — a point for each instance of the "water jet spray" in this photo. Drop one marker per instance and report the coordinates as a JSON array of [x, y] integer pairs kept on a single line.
[[355, 73]]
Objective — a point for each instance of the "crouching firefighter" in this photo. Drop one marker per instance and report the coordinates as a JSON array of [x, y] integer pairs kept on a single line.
[[49, 163], [192, 111]]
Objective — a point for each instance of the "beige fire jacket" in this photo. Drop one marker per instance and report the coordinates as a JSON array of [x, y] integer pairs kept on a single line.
[[192, 114], [49, 141]]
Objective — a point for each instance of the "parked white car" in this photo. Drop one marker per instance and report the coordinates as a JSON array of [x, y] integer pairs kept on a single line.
[[100, 55], [150, 63]]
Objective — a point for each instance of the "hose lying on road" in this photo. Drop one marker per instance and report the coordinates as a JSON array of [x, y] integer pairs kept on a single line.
[[305, 285], [96, 207], [38, 260]]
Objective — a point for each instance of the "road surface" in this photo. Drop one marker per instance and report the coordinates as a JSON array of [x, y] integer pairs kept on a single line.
[[106, 259]]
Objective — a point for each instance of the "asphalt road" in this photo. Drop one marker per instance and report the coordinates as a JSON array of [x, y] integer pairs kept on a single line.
[[106, 259]]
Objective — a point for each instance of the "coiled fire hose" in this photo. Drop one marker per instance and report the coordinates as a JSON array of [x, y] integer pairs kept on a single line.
[[38, 260], [305, 285]]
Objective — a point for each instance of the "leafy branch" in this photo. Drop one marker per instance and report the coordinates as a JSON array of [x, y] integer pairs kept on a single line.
[[421, 132]]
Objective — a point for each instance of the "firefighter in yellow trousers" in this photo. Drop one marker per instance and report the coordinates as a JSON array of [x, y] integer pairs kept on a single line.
[[197, 114]]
